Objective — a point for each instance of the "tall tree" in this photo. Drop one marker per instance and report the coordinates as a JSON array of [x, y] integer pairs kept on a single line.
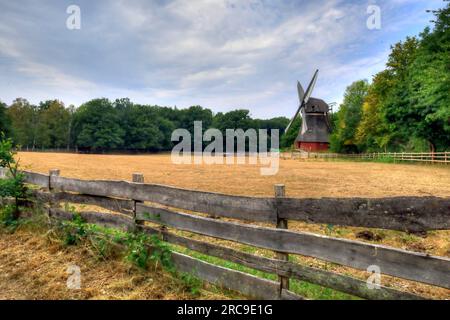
[[70, 134], [348, 117], [288, 138], [373, 132], [5, 121], [236, 119], [24, 122], [429, 85], [140, 124], [97, 126], [53, 124], [195, 113], [397, 105]]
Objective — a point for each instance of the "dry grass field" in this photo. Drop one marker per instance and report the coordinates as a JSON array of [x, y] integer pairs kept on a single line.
[[302, 178], [33, 266]]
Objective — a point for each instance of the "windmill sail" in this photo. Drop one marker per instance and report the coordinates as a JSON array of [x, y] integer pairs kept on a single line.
[[292, 120], [303, 98], [304, 125], [301, 95], [301, 92], [310, 87]]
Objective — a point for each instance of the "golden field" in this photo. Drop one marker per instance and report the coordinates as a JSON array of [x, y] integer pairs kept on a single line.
[[302, 178]]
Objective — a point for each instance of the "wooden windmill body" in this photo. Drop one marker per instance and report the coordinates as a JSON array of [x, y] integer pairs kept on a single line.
[[314, 133]]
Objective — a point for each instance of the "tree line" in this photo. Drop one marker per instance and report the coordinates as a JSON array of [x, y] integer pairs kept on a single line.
[[101, 124], [406, 107]]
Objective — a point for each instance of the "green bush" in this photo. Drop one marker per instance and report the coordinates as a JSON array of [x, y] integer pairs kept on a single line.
[[13, 186], [7, 217]]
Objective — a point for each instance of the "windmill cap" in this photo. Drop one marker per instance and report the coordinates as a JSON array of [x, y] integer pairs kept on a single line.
[[316, 105]]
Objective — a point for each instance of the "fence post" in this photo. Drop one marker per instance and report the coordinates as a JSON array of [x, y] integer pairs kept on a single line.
[[137, 178], [52, 172], [281, 224]]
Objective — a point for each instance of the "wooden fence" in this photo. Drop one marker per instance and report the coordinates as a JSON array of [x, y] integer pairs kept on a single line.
[[424, 157], [136, 202]]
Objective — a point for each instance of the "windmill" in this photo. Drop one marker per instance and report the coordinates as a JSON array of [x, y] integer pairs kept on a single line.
[[316, 126]]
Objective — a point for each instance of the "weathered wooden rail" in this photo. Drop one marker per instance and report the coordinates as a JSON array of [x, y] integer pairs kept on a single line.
[[421, 157], [137, 202]]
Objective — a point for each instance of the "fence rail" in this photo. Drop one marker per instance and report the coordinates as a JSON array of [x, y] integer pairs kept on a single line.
[[137, 202], [428, 157], [396, 213]]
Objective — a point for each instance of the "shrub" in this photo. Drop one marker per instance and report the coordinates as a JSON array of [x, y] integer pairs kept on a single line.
[[13, 186]]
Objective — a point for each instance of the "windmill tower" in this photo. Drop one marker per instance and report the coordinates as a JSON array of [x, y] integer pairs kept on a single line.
[[314, 133]]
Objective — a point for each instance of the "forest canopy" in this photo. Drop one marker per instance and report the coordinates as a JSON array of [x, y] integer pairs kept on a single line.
[[101, 124], [406, 107]]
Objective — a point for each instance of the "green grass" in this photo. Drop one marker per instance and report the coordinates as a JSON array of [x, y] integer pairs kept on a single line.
[[376, 160], [386, 159], [303, 288]]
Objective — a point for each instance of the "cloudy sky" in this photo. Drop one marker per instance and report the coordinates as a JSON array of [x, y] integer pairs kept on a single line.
[[221, 54]]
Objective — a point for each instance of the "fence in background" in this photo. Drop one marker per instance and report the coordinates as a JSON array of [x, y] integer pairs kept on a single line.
[[136, 202], [423, 157], [427, 157]]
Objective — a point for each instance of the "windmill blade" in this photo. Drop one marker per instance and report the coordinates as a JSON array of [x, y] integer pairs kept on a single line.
[[293, 118], [301, 92], [303, 97], [311, 86], [304, 124]]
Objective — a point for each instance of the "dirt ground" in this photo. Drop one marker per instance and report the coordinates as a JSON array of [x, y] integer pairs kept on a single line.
[[302, 178], [32, 267]]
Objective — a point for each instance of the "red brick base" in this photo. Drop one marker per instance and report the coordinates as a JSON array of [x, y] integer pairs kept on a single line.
[[312, 146]]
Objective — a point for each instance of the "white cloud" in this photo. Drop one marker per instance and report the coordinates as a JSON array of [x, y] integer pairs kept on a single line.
[[44, 77], [222, 74], [221, 54]]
